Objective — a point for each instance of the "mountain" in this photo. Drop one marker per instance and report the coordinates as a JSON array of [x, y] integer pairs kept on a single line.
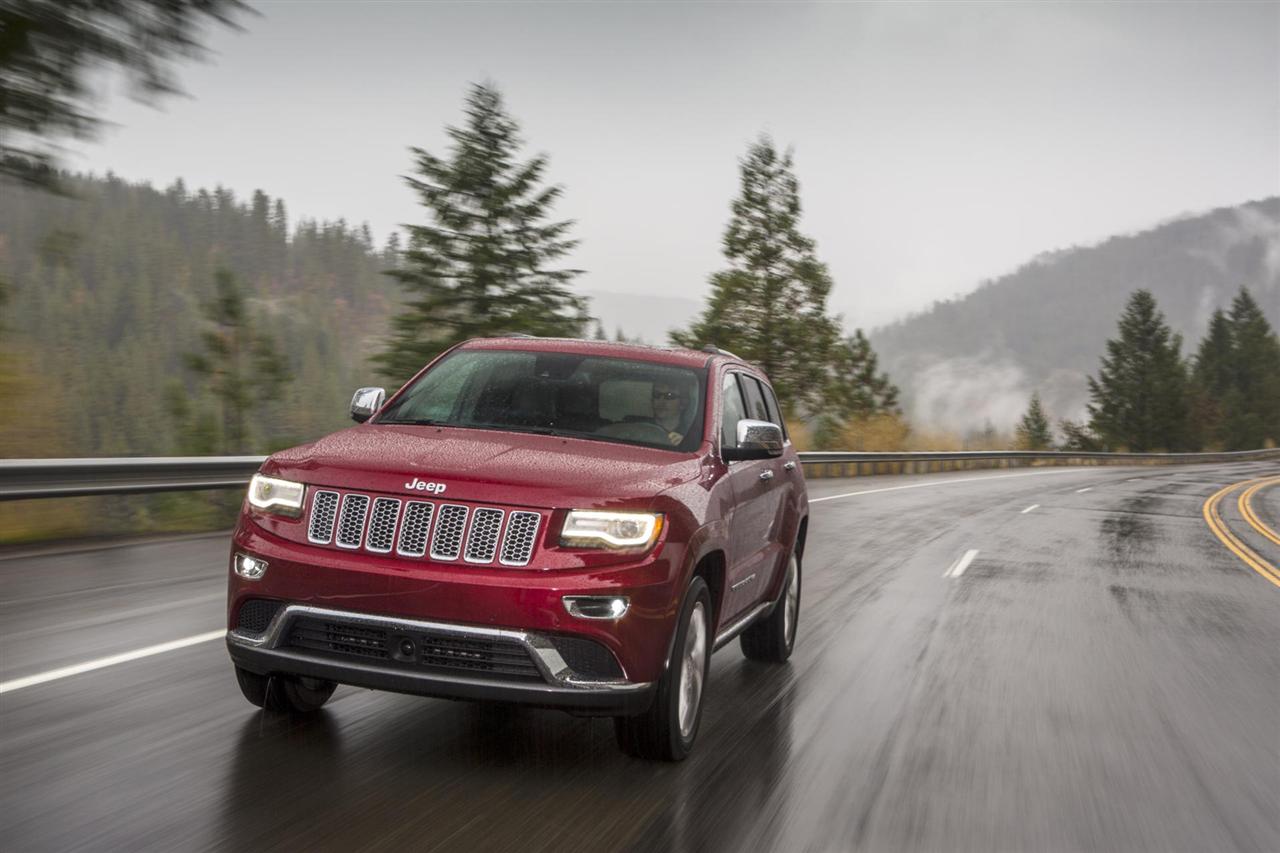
[[976, 359]]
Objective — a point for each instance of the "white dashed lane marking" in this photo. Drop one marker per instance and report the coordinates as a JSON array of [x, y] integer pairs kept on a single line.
[[958, 567]]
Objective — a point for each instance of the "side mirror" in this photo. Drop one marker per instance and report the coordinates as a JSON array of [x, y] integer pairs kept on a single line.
[[365, 402], [756, 440]]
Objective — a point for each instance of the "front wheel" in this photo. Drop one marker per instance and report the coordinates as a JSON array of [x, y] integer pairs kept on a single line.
[[284, 694], [667, 730], [772, 639]]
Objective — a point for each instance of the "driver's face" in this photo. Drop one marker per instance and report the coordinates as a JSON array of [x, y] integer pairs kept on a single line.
[[667, 401]]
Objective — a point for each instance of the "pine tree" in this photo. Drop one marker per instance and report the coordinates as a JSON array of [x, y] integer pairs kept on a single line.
[[1033, 432], [1211, 382], [1139, 398], [855, 385], [484, 264], [1251, 407], [1078, 437], [855, 390], [769, 305], [240, 365], [46, 48]]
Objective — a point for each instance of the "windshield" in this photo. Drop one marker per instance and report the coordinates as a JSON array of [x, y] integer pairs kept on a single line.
[[605, 399]]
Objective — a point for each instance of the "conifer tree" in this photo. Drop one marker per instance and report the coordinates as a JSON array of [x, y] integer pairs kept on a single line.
[[856, 389], [1251, 406], [1211, 382], [769, 305], [485, 263], [240, 365], [1139, 398], [48, 46], [1078, 437], [1033, 432]]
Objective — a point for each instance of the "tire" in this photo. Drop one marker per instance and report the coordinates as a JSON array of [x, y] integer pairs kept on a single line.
[[772, 639], [667, 730], [284, 694]]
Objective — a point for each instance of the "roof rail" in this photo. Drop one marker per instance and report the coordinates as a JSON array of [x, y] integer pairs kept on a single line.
[[715, 350]]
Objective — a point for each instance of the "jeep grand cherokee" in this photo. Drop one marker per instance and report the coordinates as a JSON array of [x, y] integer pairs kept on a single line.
[[560, 523]]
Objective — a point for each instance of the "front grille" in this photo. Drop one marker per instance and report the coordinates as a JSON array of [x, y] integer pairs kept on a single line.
[[482, 542], [324, 509], [351, 522], [412, 528], [447, 543], [382, 525], [256, 614], [427, 650], [522, 533]]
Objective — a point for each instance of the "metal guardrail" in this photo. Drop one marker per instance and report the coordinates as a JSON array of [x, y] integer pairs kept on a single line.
[[22, 479], [65, 478], [1038, 455], [818, 464]]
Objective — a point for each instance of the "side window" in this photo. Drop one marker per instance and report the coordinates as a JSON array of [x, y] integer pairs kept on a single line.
[[755, 399], [731, 410], [775, 414]]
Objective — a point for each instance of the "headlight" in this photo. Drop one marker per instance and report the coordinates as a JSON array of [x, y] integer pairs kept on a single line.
[[281, 497], [588, 528]]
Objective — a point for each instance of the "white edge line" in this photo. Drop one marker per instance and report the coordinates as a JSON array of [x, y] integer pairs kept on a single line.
[[1082, 491], [1029, 509], [957, 568], [938, 483], [100, 663]]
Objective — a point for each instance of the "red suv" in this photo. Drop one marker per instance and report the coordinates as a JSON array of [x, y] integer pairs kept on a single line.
[[559, 523]]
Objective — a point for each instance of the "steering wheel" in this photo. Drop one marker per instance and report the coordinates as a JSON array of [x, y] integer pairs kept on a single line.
[[636, 431]]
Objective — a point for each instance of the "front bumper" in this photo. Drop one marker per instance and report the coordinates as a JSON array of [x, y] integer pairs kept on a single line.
[[490, 598], [348, 654]]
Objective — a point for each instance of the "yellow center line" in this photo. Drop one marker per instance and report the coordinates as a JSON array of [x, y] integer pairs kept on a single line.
[[1219, 528], [1246, 509]]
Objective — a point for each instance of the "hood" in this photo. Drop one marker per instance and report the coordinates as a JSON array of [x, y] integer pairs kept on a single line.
[[486, 466]]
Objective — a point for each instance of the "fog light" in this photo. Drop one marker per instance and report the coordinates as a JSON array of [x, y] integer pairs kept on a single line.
[[597, 606], [250, 568]]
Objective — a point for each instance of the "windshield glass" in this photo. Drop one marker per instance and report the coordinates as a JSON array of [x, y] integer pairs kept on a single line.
[[606, 399]]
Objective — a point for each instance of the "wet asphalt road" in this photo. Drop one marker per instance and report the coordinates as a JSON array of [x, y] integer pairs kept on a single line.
[[1105, 675]]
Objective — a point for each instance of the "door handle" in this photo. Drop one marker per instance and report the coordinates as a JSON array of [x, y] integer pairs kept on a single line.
[[788, 466], [766, 475]]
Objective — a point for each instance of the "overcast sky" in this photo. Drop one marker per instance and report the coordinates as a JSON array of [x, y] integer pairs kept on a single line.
[[936, 145]]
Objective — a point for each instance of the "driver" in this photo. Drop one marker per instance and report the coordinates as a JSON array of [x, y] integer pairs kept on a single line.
[[669, 404]]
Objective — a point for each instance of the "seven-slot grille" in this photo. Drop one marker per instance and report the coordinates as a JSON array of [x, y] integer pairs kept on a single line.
[[447, 531]]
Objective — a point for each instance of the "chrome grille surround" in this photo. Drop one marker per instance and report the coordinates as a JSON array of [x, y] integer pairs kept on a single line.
[[351, 521], [414, 528], [482, 540], [324, 511], [445, 532], [521, 536], [451, 521], [382, 525]]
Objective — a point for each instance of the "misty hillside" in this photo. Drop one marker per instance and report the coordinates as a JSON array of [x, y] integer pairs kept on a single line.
[[105, 295], [978, 358]]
